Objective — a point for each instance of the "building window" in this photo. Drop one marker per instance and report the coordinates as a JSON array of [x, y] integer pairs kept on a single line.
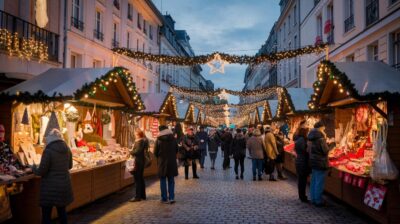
[[137, 45], [76, 60], [395, 54], [98, 31], [97, 63], [77, 14], [391, 2], [115, 42], [116, 4], [316, 2], [350, 58], [294, 15], [139, 21], [144, 27], [349, 15], [144, 84], [372, 11], [328, 29], [289, 24], [151, 32], [128, 40], [318, 38], [130, 11], [373, 53]]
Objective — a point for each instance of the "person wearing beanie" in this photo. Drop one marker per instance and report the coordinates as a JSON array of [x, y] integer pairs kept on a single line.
[[319, 162], [165, 150], [256, 147], [55, 186]]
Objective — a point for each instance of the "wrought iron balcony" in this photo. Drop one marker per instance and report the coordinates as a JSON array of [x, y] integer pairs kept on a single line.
[[349, 23], [115, 43], [27, 30], [75, 22], [98, 35], [372, 12]]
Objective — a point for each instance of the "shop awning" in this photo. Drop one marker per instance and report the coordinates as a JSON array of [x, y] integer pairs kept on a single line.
[[110, 87], [182, 107], [273, 105]]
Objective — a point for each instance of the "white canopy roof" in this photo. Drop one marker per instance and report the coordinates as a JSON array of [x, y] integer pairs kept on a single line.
[[59, 81], [300, 97], [371, 77]]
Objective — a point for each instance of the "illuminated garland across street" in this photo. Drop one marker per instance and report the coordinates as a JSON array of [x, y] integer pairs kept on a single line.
[[233, 59]]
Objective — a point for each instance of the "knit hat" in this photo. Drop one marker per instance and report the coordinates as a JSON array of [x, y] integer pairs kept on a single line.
[[319, 124]]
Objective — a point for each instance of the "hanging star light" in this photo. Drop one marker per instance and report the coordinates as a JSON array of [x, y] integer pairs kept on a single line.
[[217, 64], [223, 95]]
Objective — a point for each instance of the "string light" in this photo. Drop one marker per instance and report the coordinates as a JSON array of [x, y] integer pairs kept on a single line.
[[28, 49], [232, 59]]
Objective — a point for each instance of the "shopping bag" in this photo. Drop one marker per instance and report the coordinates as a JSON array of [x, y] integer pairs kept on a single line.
[[375, 195], [130, 165]]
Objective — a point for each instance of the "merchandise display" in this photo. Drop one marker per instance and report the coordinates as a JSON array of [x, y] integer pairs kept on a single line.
[[354, 153]]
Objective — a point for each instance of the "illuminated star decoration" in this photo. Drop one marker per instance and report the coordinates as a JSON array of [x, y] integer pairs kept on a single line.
[[217, 64], [223, 95]]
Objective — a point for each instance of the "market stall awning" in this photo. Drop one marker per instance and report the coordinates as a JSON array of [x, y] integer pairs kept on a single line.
[[111, 87], [293, 101], [341, 83], [260, 111], [182, 107], [273, 106], [160, 104]]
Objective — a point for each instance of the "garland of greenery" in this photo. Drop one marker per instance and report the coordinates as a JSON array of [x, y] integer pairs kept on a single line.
[[105, 118], [233, 59]]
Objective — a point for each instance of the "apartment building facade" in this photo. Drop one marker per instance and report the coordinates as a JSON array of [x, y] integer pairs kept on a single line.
[[356, 30]]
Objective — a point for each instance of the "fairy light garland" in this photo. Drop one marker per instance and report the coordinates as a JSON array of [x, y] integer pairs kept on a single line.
[[232, 59], [22, 48]]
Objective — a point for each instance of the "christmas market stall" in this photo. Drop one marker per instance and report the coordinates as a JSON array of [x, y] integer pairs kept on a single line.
[[92, 108], [366, 155], [201, 118], [186, 112], [292, 109]]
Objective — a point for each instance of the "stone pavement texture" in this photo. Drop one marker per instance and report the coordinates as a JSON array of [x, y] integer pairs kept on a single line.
[[217, 197]]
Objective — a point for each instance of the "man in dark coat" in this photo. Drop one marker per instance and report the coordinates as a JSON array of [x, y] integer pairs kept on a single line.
[[202, 138], [55, 186], [319, 162], [227, 139], [239, 152], [165, 150], [191, 146]]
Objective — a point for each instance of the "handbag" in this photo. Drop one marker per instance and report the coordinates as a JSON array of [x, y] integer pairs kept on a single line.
[[130, 164]]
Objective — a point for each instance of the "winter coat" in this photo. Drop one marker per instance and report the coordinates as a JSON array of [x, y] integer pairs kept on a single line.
[[270, 145], [226, 142], [300, 147], [255, 147], [138, 150], [280, 144], [213, 143], [191, 145], [239, 146], [165, 150], [202, 135], [55, 186], [319, 150]]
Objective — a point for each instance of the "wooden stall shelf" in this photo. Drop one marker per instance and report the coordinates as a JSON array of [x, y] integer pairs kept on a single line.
[[290, 162], [333, 183], [106, 180], [82, 188]]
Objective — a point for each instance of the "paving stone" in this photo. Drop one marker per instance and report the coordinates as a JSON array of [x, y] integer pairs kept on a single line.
[[217, 197]]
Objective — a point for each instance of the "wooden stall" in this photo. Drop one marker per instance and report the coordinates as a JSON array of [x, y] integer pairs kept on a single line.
[[365, 100], [93, 109]]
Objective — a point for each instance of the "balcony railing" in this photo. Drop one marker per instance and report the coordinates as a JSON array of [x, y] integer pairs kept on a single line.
[[115, 43], [396, 66], [98, 35], [28, 30], [372, 12], [349, 23], [75, 22]]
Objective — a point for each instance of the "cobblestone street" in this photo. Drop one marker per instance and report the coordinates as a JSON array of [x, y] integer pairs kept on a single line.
[[215, 198]]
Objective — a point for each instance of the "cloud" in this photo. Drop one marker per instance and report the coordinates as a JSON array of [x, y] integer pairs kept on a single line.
[[231, 26]]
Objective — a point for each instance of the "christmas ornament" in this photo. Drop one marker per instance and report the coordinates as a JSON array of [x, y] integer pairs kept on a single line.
[[217, 64], [87, 124]]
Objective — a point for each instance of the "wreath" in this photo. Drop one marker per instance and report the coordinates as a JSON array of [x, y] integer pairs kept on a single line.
[[105, 118]]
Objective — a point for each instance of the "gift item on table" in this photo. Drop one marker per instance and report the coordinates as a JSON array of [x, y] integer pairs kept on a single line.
[[87, 123], [5, 209], [375, 195], [9, 164]]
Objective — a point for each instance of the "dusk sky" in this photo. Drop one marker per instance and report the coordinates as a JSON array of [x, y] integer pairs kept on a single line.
[[230, 26]]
